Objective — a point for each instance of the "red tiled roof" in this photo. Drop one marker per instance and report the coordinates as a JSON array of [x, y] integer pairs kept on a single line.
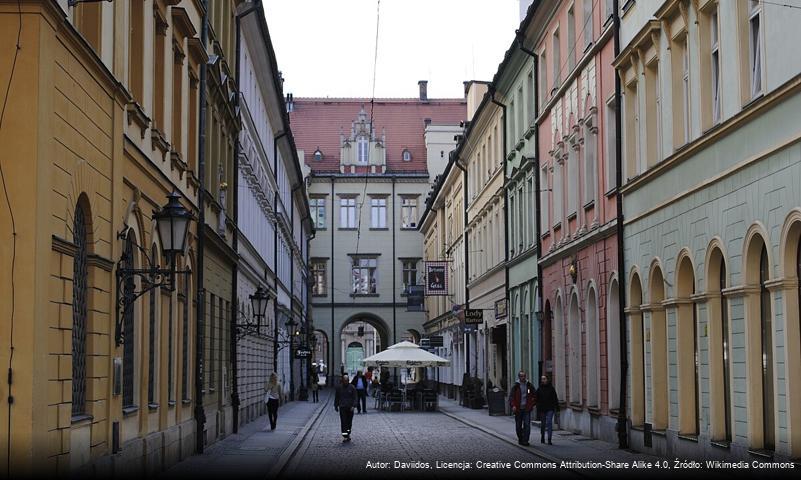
[[317, 123]]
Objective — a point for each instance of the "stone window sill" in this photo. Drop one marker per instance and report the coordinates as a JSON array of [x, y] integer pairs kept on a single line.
[[81, 419], [129, 410], [689, 437], [153, 407], [721, 444], [186, 401], [364, 295]]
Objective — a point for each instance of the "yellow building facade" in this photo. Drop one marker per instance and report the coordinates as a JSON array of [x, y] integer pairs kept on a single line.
[[100, 125]]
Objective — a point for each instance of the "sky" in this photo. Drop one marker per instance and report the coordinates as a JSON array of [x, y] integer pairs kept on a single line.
[[325, 48]]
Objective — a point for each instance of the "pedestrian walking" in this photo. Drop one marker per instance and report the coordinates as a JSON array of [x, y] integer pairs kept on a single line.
[[547, 406], [369, 377], [273, 394], [344, 400], [361, 390], [522, 399], [315, 386]]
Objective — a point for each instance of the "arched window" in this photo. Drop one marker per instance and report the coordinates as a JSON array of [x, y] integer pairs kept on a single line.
[[769, 442], [559, 371], [80, 275], [613, 345], [593, 372], [151, 355], [129, 347], [637, 328], [407, 155], [687, 350], [318, 155], [574, 345], [659, 367], [724, 322]]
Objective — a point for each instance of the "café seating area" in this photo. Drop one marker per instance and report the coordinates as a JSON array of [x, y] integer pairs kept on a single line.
[[420, 396]]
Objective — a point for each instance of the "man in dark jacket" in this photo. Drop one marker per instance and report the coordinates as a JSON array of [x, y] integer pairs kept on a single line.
[[345, 399], [547, 406], [522, 406]]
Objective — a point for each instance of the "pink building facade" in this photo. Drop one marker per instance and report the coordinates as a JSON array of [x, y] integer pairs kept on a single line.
[[576, 129]]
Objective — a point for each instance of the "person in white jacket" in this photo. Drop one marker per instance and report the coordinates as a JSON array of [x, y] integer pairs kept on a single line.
[[273, 395]]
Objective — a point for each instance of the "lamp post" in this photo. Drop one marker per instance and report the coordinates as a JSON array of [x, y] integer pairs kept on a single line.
[[290, 325], [172, 228]]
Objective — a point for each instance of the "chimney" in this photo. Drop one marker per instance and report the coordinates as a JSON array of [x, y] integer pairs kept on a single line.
[[290, 103], [423, 84], [466, 84]]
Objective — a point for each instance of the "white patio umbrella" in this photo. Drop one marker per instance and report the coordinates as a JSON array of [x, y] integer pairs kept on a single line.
[[405, 355]]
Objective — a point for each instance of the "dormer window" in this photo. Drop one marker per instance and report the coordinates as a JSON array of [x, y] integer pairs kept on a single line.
[[318, 155], [362, 146], [407, 155]]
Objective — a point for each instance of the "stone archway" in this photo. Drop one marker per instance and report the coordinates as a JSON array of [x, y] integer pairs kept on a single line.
[[364, 328]]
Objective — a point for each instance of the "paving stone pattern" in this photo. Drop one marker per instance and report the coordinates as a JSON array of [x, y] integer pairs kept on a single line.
[[405, 437]]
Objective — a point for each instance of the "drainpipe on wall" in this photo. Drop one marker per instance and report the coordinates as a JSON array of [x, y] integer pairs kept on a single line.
[[234, 280], [466, 262], [537, 204], [332, 341], [622, 431], [275, 250], [292, 290], [505, 224], [200, 414]]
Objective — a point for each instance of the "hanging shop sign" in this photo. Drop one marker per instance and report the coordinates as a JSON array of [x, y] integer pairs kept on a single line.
[[436, 278]]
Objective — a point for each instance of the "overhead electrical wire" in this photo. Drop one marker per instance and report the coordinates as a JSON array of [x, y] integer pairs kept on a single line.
[[17, 49], [367, 170]]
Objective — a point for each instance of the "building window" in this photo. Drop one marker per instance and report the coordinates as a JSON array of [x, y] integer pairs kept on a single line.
[[556, 59], [766, 321], [318, 155], [653, 107], [317, 208], [573, 175], [177, 100], [407, 155], [409, 273], [571, 39], [590, 153], [151, 354], [378, 212], [89, 20], [365, 275], [542, 79], [318, 271], [632, 131], [408, 212], [362, 150], [544, 199], [136, 49], [556, 192], [128, 352], [611, 147], [685, 85], [185, 341], [160, 29], [80, 276], [210, 344], [715, 65], [347, 212], [589, 24], [754, 47], [724, 321]]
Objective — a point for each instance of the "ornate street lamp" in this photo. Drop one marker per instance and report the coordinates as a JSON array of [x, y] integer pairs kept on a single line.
[[172, 228], [258, 303]]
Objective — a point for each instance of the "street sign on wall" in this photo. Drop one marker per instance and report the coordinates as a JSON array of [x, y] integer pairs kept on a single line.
[[303, 352], [473, 316], [436, 278]]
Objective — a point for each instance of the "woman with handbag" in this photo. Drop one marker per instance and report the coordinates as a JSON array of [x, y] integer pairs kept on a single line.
[[273, 394]]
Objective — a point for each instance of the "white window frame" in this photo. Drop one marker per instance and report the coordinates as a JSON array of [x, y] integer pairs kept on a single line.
[[714, 35], [408, 212], [318, 213], [378, 212], [347, 212], [362, 150], [364, 275], [755, 46]]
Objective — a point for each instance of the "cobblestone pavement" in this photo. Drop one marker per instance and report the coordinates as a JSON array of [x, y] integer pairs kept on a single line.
[[422, 437]]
